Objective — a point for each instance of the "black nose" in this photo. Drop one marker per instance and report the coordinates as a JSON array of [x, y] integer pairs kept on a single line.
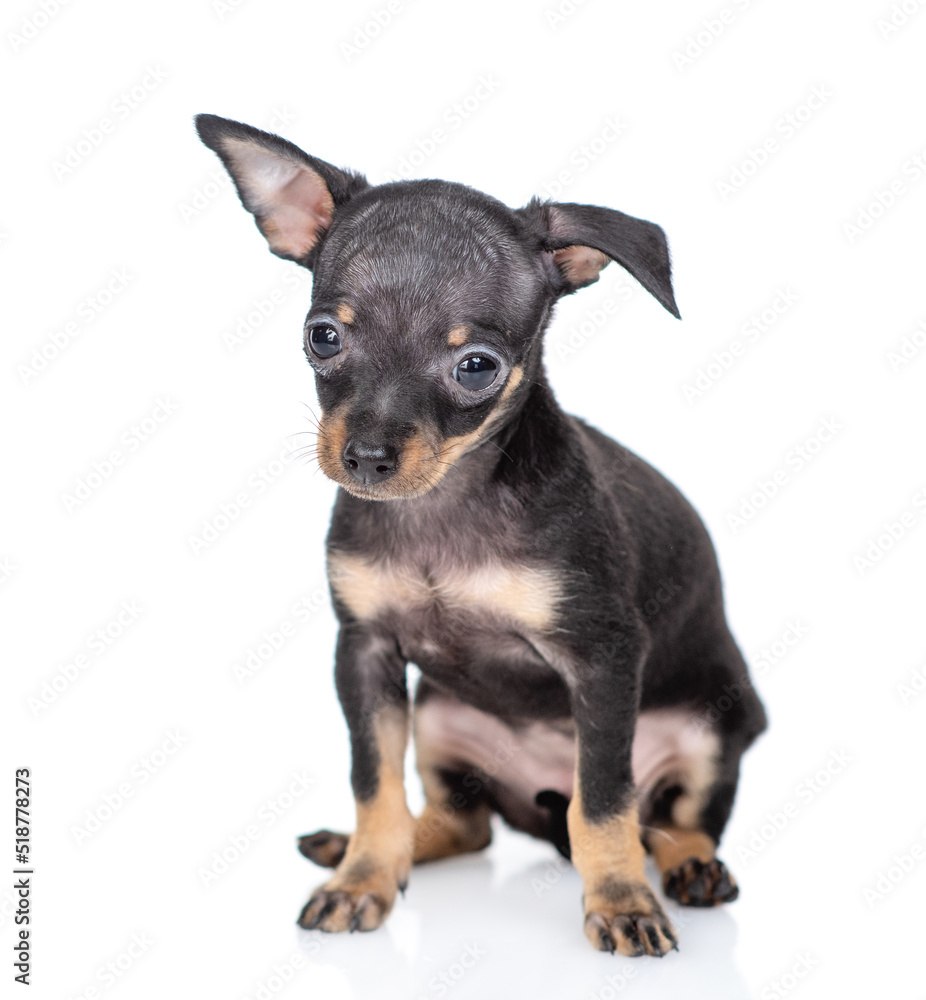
[[368, 463]]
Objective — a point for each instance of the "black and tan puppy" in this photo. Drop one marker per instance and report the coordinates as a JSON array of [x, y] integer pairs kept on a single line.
[[560, 597]]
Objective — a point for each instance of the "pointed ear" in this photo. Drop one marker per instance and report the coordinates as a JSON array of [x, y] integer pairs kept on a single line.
[[292, 196], [584, 238]]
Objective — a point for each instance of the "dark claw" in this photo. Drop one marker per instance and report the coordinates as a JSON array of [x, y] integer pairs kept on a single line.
[[654, 940], [632, 933], [328, 908]]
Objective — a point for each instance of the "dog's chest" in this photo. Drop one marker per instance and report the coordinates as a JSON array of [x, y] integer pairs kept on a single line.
[[496, 593], [473, 630]]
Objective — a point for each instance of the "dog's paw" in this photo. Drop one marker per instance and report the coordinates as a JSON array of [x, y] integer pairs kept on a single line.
[[626, 918], [700, 883], [336, 910], [324, 848], [357, 898]]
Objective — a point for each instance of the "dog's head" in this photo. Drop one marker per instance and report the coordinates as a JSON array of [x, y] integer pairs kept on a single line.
[[429, 301]]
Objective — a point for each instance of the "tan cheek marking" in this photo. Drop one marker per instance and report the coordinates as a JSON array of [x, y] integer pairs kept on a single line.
[[424, 460], [671, 846], [458, 336], [332, 437], [454, 447], [529, 596], [345, 313]]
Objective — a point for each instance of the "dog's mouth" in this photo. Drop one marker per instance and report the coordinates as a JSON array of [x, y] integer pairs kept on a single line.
[[381, 474], [420, 462]]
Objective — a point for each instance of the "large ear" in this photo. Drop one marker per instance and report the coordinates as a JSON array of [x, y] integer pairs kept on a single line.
[[584, 239], [292, 196]]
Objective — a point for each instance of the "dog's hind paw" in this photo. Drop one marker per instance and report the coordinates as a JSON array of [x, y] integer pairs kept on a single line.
[[700, 883], [324, 848]]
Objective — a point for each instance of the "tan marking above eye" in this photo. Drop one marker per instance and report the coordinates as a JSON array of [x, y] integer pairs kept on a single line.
[[527, 595], [458, 336], [345, 313]]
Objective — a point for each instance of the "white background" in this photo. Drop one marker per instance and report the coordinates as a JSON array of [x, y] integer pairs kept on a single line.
[[606, 93]]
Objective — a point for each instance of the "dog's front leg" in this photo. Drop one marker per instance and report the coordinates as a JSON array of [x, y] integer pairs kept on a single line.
[[370, 677], [621, 912]]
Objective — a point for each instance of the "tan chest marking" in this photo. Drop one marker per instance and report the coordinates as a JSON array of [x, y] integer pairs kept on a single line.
[[527, 595]]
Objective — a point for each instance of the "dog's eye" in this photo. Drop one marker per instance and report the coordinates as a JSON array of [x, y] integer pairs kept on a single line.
[[476, 373], [323, 340]]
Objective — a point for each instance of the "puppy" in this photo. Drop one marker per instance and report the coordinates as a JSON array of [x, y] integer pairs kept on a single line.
[[560, 597]]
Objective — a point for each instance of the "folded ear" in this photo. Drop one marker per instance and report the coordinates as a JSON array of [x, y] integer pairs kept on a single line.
[[584, 238], [292, 196]]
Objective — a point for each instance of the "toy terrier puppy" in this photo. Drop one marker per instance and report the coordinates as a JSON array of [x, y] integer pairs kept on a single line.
[[560, 597]]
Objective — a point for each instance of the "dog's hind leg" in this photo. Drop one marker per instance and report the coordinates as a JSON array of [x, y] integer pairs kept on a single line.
[[681, 838], [687, 808]]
